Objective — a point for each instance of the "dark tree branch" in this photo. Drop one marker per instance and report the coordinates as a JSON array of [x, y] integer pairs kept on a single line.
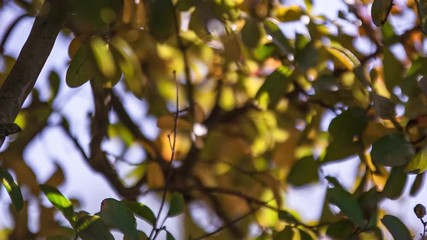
[[23, 76]]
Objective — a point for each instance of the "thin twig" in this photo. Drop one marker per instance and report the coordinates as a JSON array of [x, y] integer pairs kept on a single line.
[[10, 29], [157, 229]]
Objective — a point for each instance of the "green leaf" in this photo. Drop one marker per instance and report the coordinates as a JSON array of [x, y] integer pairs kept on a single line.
[[91, 227], [304, 235], [82, 67], [59, 201], [275, 86], [380, 11], [12, 189], [392, 69], [279, 39], [141, 211], [169, 236], [342, 229], [368, 201], [419, 163], [395, 183], [54, 82], [129, 65], [117, 215], [177, 205], [287, 233], [346, 130], [397, 229], [264, 51], [347, 204], [392, 150], [303, 172], [422, 13], [417, 184], [161, 19], [251, 33]]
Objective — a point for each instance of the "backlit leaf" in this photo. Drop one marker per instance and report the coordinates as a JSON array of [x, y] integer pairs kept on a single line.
[[397, 229], [289, 13], [90, 227], [347, 204], [276, 85], [392, 150], [129, 65], [340, 59], [59, 201], [419, 163], [380, 11], [264, 51], [103, 57], [12, 189]]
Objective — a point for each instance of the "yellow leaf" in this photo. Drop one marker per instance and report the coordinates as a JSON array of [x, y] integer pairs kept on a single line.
[[103, 56], [289, 13], [155, 176], [168, 123], [340, 59]]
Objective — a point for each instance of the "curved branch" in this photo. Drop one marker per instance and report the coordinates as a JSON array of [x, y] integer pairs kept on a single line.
[[30, 62], [10, 29]]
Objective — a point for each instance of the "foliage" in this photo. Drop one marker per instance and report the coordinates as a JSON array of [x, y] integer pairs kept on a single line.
[[240, 99]]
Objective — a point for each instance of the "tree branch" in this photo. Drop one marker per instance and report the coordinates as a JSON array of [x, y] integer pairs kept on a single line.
[[30, 62]]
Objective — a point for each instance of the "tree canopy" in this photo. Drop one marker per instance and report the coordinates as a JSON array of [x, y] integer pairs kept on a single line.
[[239, 91]]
